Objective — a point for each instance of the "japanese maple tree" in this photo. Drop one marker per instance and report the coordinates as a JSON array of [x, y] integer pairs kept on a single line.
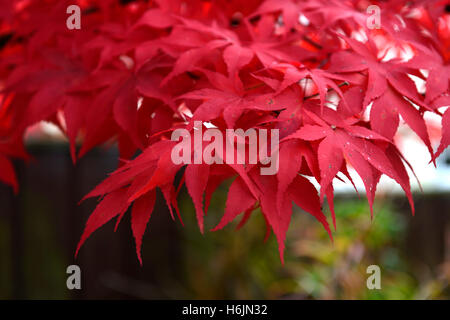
[[335, 87]]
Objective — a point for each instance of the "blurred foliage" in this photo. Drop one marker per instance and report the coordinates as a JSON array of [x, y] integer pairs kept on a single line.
[[238, 265]]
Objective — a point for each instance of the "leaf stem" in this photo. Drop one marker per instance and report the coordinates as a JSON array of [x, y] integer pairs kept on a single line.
[[345, 83]]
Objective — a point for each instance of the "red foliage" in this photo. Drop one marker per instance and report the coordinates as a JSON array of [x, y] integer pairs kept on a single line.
[[135, 69]]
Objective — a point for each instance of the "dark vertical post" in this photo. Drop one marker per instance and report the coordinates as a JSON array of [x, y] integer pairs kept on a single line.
[[17, 241]]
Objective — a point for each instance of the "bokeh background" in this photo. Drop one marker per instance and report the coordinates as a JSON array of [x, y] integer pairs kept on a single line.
[[40, 228]]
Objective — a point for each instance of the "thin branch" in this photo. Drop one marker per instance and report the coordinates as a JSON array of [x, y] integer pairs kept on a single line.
[[312, 42], [329, 90]]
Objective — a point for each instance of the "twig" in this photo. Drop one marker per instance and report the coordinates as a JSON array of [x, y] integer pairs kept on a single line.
[[331, 89], [312, 42]]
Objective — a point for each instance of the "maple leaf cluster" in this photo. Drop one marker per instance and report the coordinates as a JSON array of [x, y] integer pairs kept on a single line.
[[137, 70]]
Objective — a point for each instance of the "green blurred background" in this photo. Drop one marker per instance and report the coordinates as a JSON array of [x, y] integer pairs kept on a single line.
[[39, 230]]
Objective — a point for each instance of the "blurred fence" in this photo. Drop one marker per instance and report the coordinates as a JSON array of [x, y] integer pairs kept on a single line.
[[41, 227]]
